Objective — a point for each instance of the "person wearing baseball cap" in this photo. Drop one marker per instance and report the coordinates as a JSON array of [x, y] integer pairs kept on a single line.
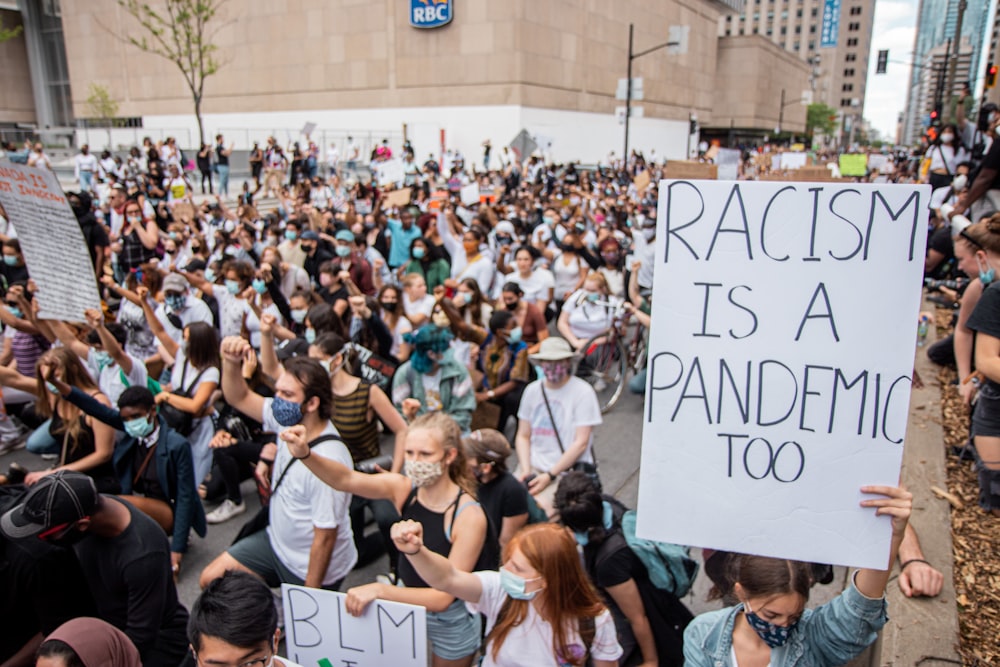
[[124, 556]]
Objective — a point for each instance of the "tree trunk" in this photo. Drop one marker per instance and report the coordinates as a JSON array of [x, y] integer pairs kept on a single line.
[[110, 146], [201, 127]]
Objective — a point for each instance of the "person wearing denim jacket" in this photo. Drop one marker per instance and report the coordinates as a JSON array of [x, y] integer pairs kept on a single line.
[[775, 622]]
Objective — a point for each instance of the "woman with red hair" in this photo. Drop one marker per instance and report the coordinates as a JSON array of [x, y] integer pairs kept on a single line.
[[540, 607]]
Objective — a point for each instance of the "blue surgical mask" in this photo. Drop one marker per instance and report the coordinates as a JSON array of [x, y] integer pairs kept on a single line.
[[15, 311], [773, 635], [210, 275], [102, 358], [986, 277], [514, 585], [299, 315], [176, 301], [418, 253], [592, 296], [286, 413], [51, 387], [343, 250], [548, 220], [582, 538], [310, 335], [139, 427], [291, 235], [10, 260], [259, 285], [515, 335], [232, 286]]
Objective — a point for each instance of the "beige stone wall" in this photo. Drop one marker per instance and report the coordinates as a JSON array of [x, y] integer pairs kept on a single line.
[[18, 102], [313, 54], [751, 74]]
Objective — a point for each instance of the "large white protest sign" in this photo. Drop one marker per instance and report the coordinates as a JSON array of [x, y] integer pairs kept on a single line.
[[391, 172], [54, 248], [780, 364], [319, 631]]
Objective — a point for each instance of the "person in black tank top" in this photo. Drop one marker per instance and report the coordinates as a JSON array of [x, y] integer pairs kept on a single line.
[[439, 491]]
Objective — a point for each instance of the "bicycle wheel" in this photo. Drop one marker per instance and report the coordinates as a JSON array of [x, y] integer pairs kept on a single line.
[[603, 366]]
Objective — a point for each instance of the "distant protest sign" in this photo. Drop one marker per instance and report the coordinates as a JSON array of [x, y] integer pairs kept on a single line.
[[54, 248], [780, 365], [319, 631], [853, 164]]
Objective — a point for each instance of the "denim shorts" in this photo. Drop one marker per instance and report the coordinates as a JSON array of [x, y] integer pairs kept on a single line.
[[454, 633], [986, 416]]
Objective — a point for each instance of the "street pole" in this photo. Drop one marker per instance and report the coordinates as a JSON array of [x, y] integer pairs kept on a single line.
[[940, 87], [781, 111], [956, 45], [628, 95]]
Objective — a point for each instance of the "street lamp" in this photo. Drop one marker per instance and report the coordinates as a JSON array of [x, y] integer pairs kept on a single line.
[[678, 40]]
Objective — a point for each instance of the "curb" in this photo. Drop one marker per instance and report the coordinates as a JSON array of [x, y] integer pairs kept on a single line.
[[925, 631]]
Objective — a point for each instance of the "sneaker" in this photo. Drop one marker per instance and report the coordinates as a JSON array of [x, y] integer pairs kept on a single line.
[[12, 443], [50, 456], [226, 511], [389, 579], [600, 385]]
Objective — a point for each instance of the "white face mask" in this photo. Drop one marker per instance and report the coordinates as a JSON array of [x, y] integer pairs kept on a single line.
[[947, 138], [959, 182]]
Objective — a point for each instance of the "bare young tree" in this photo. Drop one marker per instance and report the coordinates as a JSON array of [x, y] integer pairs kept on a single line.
[[182, 32], [102, 106]]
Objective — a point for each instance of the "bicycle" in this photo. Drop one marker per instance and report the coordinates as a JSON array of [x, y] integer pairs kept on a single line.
[[607, 361]]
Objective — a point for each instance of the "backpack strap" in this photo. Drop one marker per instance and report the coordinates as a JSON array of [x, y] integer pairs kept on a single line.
[[312, 443]]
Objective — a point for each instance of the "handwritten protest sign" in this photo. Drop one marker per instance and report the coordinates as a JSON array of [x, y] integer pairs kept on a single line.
[[470, 193], [54, 248], [397, 198], [853, 164], [391, 172], [780, 365], [375, 369], [728, 160], [319, 631]]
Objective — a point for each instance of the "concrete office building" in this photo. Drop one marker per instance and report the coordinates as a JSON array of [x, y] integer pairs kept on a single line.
[[936, 22], [993, 94], [836, 42], [359, 68]]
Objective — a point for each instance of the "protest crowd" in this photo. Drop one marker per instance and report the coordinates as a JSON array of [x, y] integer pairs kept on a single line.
[[410, 364]]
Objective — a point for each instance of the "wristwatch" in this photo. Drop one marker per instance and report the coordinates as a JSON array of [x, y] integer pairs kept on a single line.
[[491, 393]]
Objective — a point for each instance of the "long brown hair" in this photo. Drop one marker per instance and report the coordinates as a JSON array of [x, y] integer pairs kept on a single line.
[[450, 438], [73, 374], [569, 596]]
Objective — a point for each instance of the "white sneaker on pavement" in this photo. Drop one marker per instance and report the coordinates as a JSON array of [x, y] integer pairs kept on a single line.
[[226, 511]]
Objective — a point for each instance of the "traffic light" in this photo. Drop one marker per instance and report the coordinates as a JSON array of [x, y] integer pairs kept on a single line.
[[693, 126], [991, 75], [883, 61]]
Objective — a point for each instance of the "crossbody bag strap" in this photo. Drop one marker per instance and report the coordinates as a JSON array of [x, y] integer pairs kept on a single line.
[[555, 427], [145, 463], [944, 159], [312, 443]]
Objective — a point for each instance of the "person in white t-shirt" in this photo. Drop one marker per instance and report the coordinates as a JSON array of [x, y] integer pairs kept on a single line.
[[104, 354], [417, 303], [538, 284], [556, 421], [309, 540], [540, 609], [235, 622], [588, 312]]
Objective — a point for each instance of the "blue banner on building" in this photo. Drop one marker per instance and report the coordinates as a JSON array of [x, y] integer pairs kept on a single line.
[[434, 13], [831, 23]]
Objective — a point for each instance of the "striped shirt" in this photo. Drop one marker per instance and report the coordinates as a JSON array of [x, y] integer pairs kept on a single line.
[[350, 416]]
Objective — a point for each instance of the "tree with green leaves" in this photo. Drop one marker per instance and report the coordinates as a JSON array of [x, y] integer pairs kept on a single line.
[[181, 31], [102, 106], [9, 33], [821, 118]]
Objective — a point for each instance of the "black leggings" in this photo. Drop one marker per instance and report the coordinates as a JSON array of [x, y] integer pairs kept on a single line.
[[206, 176], [235, 464]]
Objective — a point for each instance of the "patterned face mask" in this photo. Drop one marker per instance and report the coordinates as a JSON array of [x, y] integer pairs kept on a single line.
[[423, 473], [555, 371], [773, 635]]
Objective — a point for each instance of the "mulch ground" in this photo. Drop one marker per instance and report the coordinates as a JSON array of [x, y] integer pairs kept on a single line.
[[975, 534]]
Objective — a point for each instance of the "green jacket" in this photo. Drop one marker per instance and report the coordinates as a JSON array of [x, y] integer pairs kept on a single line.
[[458, 398], [434, 275]]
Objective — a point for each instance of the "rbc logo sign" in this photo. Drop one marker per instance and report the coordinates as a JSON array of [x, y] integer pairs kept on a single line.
[[430, 13]]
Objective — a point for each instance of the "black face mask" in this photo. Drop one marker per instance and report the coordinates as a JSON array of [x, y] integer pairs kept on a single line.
[[513, 306], [390, 306], [68, 540]]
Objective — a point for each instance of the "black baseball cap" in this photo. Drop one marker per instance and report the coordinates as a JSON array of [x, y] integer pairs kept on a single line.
[[196, 265], [60, 498]]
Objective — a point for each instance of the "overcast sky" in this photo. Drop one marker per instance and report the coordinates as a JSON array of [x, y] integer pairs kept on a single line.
[[885, 94]]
